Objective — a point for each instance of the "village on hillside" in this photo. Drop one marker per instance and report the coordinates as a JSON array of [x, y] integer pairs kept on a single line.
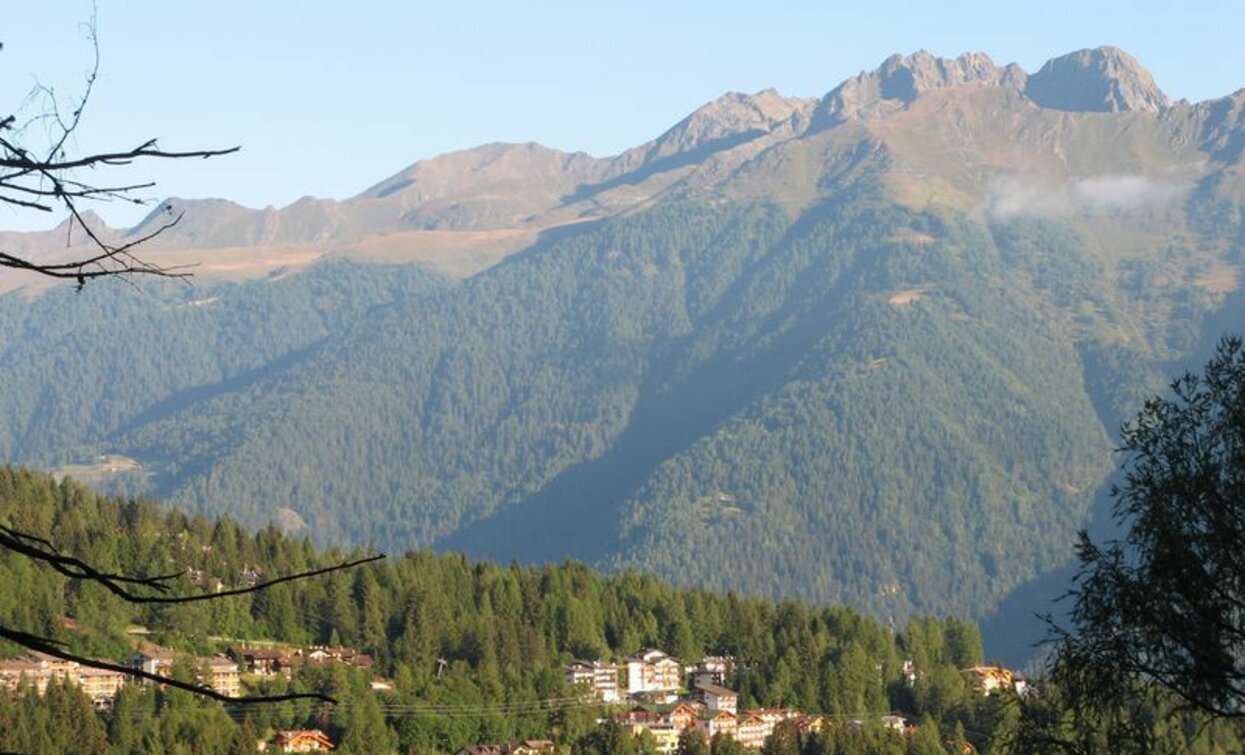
[[649, 693], [220, 673], [662, 698]]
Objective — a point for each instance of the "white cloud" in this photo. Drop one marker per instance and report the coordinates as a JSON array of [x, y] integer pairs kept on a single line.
[[1015, 196]]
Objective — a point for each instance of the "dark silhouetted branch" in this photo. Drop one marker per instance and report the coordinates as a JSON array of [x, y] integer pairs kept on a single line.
[[44, 180], [42, 550]]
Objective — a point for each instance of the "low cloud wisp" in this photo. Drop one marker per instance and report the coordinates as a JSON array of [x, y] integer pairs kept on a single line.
[[1017, 197]]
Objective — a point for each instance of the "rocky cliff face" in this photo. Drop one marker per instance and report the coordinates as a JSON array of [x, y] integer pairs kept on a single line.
[[1101, 80], [902, 78]]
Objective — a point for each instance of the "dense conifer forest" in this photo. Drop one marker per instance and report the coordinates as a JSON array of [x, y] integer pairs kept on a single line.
[[725, 396], [474, 651]]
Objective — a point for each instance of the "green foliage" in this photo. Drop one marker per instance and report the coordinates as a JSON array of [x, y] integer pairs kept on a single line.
[[724, 744], [692, 741], [608, 739], [1156, 623], [1131, 719], [1164, 605]]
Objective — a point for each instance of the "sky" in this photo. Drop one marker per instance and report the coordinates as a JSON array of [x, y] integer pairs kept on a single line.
[[328, 97]]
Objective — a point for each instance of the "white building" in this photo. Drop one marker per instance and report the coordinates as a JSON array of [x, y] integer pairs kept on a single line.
[[653, 672], [598, 676], [717, 698]]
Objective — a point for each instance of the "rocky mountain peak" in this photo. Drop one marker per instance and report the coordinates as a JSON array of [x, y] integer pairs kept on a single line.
[[902, 78], [1100, 80]]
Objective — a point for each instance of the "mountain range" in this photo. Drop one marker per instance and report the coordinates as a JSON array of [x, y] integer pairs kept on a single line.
[[871, 347]]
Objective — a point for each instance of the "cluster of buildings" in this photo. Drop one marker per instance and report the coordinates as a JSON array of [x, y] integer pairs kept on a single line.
[[103, 685], [222, 674], [657, 685], [296, 740], [39, 669], [271, 661], [217, 672], [750, 728], [526, 747], [655, 682], [651, 676]]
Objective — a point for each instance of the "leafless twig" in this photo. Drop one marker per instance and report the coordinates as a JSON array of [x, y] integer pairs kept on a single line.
[[45, 180]]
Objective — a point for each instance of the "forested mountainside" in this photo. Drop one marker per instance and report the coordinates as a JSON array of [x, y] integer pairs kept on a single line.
[[871, 348], [463, 651], [505, 632]]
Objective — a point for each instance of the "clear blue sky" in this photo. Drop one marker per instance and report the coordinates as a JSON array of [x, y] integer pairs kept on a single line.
[[327, 97]]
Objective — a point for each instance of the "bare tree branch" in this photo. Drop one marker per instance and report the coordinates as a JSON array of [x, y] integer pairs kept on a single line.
[[40, 549], [44, 180]]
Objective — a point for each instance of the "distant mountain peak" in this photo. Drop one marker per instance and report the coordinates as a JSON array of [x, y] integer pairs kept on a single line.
[[1098, 80], [730, 116], [89, 217], [902, 78]]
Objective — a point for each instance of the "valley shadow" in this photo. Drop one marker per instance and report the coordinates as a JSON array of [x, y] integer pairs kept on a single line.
[[577, 515], [1014, 634], [198, 394]]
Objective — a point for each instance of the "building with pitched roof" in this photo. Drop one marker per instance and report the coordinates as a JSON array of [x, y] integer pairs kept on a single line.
[[717, 698], [301, 740]]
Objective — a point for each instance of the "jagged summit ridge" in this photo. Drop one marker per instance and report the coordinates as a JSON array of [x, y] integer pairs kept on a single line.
[[1099, 80], [902, 78], [1102, 79], [750, 144], [905, 77]]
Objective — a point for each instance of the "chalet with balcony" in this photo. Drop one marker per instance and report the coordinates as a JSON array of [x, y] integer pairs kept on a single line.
[[319, 655], [598, 676], [751, 731], [683, 716], [712, 669], [300, 740], [655, 674], [221, 674], [990, 679], [717, 722], [101, 685], [717, 698], [153, 659], [262, 661]]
